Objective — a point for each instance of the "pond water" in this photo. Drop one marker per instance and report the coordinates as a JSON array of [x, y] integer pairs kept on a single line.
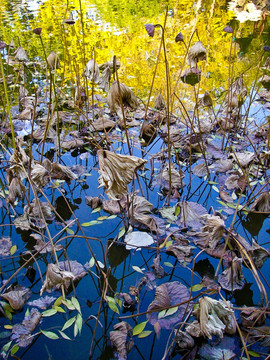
[[203, 194]]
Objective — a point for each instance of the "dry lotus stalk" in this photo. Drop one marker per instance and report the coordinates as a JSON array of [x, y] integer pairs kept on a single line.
[[116, 172], [55, 276], [215, 317], [114, 98], [53, 61], [91, 71], [196, 53], [16, 296]]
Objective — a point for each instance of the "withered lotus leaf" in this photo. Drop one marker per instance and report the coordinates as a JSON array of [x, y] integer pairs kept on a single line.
[[252, 316], [116, 172], [53, 61], [140, 211], [40, 175], [20, 54], [211, 232], [16, 190], [215, 353], [159, 102], [157, 268], [215, 317], [16, 296], [43, 302], [232, 277], [104, 80], [55, 276], [191, 76], [120, 339], [182, 251], [114, 98], [190, 214], [5, 245], [166, 295], [91, 71], [196, 53], [21, 333], [262, 203], [183, 339]]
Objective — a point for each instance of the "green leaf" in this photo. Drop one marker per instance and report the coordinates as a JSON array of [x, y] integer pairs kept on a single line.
[[27, 313], [168, 264], [68, 323], [6, 346], [59, 309], [215, 189], [144, 334], [90, 223], [136, 268], [139, 328], [254, 354], [101, 218], [168, 243], [76, 304], [64, 335], [112, 217], [113, 307], [197, 287], [79, 322], [122, 231], [14, 349], [68, 304], [167, 312], [96, 210], [13, 249], [76, 330], [49, 334], [91, 262], [69, 231], [49, 312], [177, 211], [58, 301]]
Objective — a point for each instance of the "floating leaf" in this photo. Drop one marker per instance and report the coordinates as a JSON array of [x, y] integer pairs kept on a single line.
[[167, 312], [139, 328], [168, 264], [49, 334], [91, 262], [76, 304], [64, 335], [90, 223], [13, 249], [68, 323], [144, 334], [197, 287], [14, 349], [49, 312], [113, 307], [136, 268]]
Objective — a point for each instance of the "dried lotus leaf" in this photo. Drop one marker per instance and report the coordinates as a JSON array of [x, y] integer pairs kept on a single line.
[[91, 71], [116, 172], [215, 317], [232, 277], [120, 339], [16, 190], [104, 80], [159, 102], [262, 203], [40, 175], [55, 276], [16, 296], [114, 98], [196, 53], [53, 61], [63, 172]]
